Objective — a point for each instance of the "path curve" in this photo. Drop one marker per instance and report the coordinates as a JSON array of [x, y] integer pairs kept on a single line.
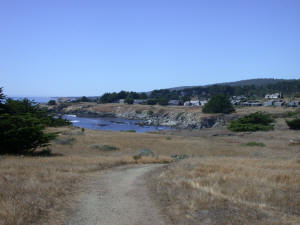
[[118, 197]]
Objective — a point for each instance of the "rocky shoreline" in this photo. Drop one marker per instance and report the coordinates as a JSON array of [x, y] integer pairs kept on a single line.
[[180, 119]]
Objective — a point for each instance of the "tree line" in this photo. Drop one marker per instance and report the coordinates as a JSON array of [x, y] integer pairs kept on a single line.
[[162, 96]]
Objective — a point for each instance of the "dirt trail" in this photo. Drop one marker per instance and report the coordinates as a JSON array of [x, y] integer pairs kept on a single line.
[[118, 197]]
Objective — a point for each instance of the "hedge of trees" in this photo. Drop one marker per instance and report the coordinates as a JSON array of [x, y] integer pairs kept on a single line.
[[286, 87], [114, 96], [22, 126]]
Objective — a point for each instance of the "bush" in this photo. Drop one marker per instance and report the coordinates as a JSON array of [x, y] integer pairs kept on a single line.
[[104, 147], [294, 124], [254, 144], [52, 102], [151, 102], [150, 113], [218, 104], [253, 122]]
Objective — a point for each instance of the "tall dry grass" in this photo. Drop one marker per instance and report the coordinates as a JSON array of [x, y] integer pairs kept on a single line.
[[218, 190]]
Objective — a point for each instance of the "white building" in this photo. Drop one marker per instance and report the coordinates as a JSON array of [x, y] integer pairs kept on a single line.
[[273, 96]]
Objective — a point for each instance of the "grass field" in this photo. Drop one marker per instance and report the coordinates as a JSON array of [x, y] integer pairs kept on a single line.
[[225, 180]]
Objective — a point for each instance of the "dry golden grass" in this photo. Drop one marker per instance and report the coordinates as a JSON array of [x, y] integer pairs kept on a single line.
[[41, 190], [232, 191]]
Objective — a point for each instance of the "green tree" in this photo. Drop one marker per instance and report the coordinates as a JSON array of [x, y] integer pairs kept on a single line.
[[22, 134], [129, 100], [84, 99], [52, 102], [22, 125], [219, 103], [163, 101]]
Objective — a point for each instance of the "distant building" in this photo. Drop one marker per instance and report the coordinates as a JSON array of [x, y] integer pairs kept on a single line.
[[251, 103], [235, 102], [192, 103], [203, 102], [274, 96], [268, 103], [278, 103], [238, 98], [122, 101], [173, 102], [293, 104], [140, 101]]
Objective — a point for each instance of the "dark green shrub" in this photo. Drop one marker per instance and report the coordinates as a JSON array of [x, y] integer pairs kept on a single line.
[[151, 102], [253, 122], [254, 144], [294, 124], [52, 102], [104, 147], [150, 113], [218, 104]]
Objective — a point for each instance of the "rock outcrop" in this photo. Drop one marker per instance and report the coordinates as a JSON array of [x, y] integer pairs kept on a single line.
[[147, 115]]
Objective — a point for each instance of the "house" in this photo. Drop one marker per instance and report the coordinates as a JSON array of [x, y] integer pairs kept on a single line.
[[187, 103], [192, 103], [195, 103], [251, 103], [238, 98], [203, 102], [139, 101], [235, 102], [173, 102], [293, 104], [121, 101], [278, 103], [268, 103], [274, 96]]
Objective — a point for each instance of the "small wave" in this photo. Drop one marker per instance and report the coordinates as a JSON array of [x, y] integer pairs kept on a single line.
[[72, 115], [75, 121]]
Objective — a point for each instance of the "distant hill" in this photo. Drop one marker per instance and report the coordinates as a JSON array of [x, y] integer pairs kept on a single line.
[[255, 82]]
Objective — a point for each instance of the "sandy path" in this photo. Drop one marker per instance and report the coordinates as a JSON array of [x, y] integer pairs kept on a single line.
[[118, 197]]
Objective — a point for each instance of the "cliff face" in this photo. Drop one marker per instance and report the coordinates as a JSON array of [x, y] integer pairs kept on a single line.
[[177, 117]]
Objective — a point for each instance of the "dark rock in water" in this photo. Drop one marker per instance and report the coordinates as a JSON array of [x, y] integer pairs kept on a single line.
[[117, 122], [102, 125]]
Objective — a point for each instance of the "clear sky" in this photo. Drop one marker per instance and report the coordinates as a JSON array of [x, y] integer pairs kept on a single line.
[[88, 47]]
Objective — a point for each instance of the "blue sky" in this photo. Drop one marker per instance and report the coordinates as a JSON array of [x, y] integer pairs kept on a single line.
[[88, 47]]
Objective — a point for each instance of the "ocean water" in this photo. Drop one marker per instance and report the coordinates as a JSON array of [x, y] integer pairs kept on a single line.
[[112, 124]]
